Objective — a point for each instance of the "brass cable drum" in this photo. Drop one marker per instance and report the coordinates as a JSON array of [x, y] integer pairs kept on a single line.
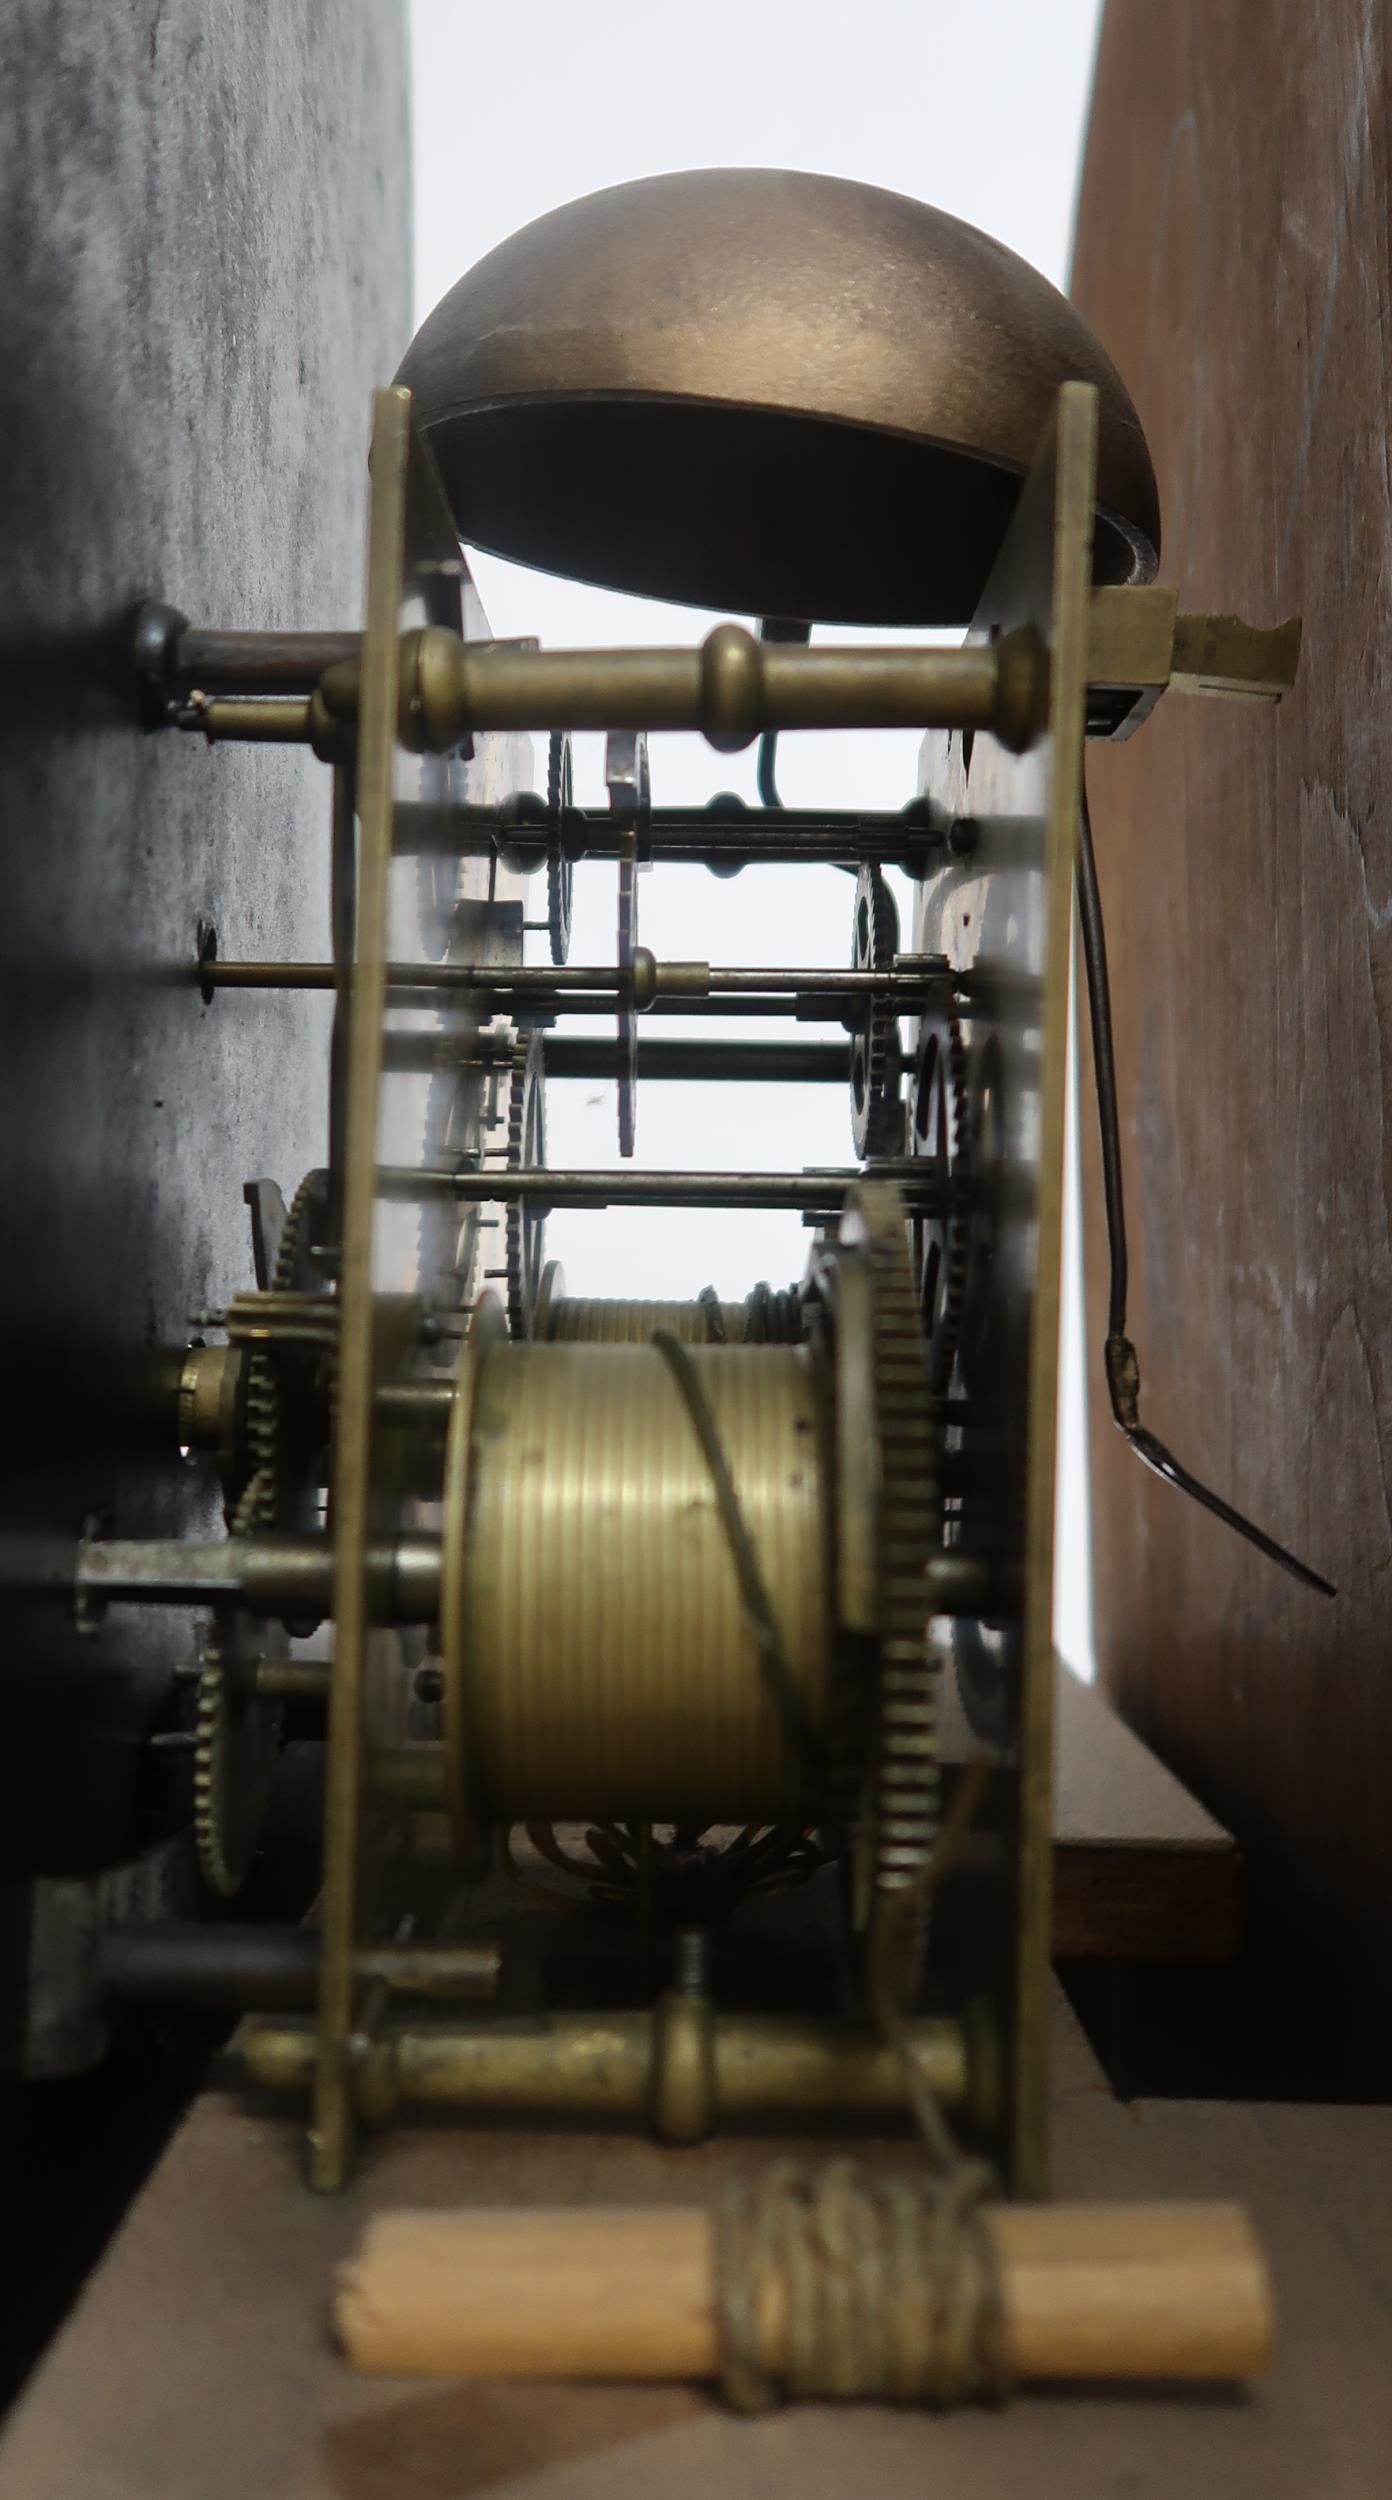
[[598, 1658], [579, 1321]]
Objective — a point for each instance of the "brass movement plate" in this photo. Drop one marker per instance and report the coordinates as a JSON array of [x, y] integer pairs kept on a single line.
[[1002, 912], [414, 1099]]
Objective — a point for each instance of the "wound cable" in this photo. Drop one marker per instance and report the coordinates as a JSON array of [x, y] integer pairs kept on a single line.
[[885, 2288]]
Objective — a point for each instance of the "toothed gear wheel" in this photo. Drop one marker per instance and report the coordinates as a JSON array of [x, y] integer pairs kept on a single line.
[[939, 1132], [237, 1731], [628, 1020], [450, 1231], [236, 1741], [629, 780], [877, 1118], [560, 873], [269, 1499], [900, 1811], [526, 1152]]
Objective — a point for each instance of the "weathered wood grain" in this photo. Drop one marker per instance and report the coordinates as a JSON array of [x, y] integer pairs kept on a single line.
[[1233, 252]]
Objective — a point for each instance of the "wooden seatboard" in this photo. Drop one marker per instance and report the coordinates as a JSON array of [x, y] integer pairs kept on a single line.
[[223, 2271], [1142, 1872]]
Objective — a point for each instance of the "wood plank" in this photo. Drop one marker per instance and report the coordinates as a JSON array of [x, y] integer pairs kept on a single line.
[[1142, 1872], [1232, 251]]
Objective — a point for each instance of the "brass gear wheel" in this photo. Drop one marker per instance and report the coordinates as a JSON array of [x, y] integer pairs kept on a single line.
[[899, 1813], [629, 779], [526, 1152], [877, 1118], [939, 1132], [236, 1730], [236, 1742], [268, 1494], [460, 1094], [560, 873]]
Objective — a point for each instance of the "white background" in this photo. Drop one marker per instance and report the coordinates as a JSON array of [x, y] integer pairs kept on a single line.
[[975, 105]]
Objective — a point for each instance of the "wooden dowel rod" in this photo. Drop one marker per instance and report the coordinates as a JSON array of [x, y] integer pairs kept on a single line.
[[1090, 2291]]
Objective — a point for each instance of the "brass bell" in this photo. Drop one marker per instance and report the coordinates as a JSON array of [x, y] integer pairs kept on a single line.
[[774, 393]]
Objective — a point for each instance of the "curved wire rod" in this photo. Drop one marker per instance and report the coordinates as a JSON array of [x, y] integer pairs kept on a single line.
[[1123, 1367]]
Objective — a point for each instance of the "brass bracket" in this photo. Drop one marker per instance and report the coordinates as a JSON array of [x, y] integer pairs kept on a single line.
[[1139, 644]]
